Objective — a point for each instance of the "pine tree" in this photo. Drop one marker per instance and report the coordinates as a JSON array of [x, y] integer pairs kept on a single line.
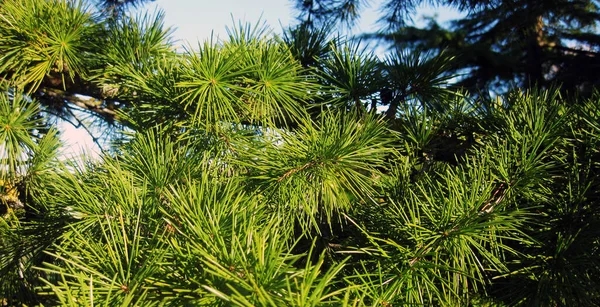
[[257, 171], [497, 44]]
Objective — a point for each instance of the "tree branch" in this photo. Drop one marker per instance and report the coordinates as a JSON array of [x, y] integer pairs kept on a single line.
[[85, 102]]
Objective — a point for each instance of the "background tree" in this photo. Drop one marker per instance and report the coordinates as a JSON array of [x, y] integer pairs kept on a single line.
[[497, 44]]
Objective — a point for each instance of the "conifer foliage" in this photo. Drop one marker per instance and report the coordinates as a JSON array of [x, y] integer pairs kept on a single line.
[[497, 43], [257, 171]]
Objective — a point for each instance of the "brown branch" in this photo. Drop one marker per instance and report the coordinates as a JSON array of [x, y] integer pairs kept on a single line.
[[88, 103], [497, 196], [421, 254], [295, 170]]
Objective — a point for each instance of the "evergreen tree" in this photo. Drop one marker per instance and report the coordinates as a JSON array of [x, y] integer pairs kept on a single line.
[[256, 171], [497, 44]]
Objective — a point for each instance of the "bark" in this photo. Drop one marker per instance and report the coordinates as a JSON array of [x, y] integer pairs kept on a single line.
[[91, 104], [536, 43]]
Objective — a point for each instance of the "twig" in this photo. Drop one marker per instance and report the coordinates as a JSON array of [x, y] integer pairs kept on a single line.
[[90, 104], [295, 170]]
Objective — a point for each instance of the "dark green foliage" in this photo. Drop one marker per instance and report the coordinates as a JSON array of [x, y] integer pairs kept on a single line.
[[497, 44]]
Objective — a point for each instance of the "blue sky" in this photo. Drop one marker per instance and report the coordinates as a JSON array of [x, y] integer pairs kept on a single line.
[[195, 20]]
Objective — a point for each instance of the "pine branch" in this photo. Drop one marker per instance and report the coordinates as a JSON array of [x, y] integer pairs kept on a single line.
[[87, 103], [295, 170]]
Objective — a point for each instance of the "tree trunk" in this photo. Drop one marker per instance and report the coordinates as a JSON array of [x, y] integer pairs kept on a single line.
[[535, 44]]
